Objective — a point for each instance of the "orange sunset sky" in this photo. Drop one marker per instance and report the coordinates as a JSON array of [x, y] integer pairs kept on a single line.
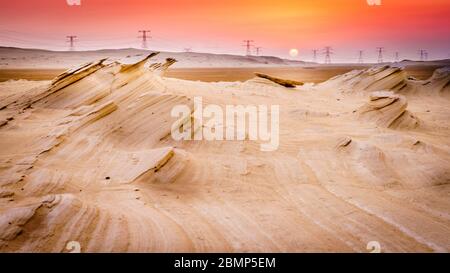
[[220, 26]]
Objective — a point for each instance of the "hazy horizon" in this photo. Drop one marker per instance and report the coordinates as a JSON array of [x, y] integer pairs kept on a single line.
[[403, 26], [213, 53]]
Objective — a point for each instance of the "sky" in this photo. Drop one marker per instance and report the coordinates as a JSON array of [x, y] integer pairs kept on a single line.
[[220, 26]]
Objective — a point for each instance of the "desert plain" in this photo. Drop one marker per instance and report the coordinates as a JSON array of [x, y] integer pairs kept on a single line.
[[86, 156]]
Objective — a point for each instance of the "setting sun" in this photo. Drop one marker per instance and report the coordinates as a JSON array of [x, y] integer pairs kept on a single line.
[[293, 52]]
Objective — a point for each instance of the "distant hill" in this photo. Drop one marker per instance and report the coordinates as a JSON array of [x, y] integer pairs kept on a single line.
[[11, 57], [36, 58], [445, 62]]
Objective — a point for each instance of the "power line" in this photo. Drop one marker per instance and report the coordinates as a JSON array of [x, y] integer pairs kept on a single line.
[[33, 40], [51, 39], [258, 50], [145, 38], [423, 55], [26, 42], [315, 55], [248, 45], [30, 40], [397, 56], [23, 34], [71, 41], [328, 51], [361, 57], [23, 39], [380, 51], [49, 45]]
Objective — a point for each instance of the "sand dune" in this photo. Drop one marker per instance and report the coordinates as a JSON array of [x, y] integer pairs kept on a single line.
[[437, 84], [88, 157], [388, 110], [373, 79]]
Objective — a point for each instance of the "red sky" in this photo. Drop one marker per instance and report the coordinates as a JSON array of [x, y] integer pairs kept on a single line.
[[220, 26]]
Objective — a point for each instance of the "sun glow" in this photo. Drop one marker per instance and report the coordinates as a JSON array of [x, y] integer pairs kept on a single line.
[[293, 52]]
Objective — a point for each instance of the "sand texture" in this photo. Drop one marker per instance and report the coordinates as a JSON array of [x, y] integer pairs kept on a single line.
[[88, 157]]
